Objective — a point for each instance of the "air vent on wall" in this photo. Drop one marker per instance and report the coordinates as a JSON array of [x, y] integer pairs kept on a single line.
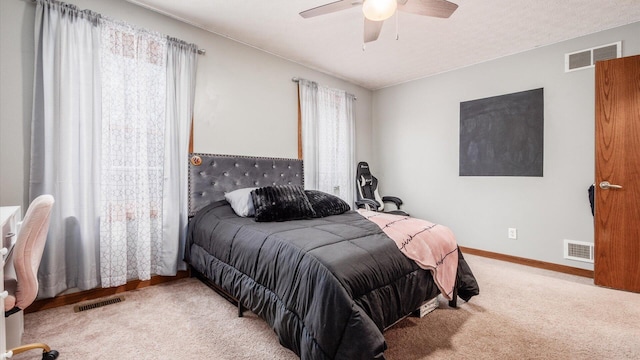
[[587, 58], [578, 250]]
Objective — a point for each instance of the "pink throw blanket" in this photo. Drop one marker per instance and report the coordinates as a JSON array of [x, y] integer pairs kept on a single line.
[[432, 246]]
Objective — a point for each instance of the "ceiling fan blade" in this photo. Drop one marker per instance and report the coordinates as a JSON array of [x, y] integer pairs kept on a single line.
[[372, 30], [435, 8], [329, 8]]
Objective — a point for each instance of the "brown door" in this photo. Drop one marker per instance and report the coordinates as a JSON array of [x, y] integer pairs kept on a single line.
[[617, 200]]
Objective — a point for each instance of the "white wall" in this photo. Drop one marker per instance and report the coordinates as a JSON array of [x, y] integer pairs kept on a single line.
[[416, 134], [246, 103]]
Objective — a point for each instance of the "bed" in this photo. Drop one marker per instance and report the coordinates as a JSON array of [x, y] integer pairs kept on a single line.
[[328, 286]]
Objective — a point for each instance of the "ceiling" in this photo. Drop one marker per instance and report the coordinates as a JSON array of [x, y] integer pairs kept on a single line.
[[477, 31]]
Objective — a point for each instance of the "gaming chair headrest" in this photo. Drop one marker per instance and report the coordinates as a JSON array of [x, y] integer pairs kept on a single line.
[[363, 170], [364, 177]]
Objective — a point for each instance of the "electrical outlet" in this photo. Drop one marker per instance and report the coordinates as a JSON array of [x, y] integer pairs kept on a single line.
[[513, 233]]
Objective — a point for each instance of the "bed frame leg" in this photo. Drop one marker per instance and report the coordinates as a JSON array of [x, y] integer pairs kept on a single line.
[[454, 298], [240, 309], [226, 295]]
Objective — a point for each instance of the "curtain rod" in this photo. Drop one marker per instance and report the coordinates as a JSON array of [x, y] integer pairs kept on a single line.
[[200, 51], [297, 80]]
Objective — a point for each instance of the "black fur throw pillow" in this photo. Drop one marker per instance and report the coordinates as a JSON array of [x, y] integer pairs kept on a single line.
[[281, 203], [326, 204]]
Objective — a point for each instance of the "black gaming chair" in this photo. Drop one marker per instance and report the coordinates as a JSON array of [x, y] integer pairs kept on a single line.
[[368, 197]]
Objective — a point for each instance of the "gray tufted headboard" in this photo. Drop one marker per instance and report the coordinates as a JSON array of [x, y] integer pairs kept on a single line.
[[210, 176]]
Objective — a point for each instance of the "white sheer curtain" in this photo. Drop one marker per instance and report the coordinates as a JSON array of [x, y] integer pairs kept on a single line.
[[133, 127], [328, 139], [112, 111], [65, 143], [308, 93]]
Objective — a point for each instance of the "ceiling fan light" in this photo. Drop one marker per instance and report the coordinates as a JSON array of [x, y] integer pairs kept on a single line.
[[379, 10]]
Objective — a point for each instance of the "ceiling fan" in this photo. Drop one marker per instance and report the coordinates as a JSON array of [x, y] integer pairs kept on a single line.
[[377, 11]]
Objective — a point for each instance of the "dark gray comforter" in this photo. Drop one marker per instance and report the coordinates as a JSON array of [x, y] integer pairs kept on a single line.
[[328, 287]]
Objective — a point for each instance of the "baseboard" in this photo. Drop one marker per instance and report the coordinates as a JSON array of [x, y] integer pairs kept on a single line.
[[529, 262], [73, 298]]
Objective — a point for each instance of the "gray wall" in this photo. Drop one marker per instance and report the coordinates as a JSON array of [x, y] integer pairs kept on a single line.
[[246, 103], [416, 132]]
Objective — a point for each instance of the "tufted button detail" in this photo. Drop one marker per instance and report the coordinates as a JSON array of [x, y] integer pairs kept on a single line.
[[273, 166], [255, 183], [201, 173], [237, 165], [265, 175], [256, 164], [226, 173], [274, 184], [246, 174], [281, 175]]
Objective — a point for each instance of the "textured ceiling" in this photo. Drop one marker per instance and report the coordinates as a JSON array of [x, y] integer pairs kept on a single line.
[[478, 31]]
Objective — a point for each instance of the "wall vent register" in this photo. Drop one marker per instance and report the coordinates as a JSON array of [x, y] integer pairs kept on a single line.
[[587, 58], [578, 250]]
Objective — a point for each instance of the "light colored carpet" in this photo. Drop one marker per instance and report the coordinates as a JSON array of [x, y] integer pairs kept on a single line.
[[521, 313]]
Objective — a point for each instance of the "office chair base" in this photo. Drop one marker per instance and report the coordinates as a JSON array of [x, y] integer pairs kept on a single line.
[[47, 353], [51, 355]]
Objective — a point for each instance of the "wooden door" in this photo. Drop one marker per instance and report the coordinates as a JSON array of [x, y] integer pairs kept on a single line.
[[617, 206]]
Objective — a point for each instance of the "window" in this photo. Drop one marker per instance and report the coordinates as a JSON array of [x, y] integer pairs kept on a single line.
[[133, 121], [327, 119]]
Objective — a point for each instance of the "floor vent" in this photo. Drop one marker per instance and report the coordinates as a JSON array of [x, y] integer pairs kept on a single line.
[[98, 303], [578, 250], [587, 58]]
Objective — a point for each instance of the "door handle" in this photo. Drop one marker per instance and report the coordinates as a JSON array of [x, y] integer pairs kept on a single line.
[[605, 185]]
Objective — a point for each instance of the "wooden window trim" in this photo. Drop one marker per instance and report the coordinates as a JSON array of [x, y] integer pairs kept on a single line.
[[299, 126]]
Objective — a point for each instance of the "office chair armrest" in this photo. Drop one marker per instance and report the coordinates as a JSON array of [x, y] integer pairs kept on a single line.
[[367, 204], [393, 199]]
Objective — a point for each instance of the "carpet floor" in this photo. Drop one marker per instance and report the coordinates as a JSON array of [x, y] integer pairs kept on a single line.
[[521, 313]]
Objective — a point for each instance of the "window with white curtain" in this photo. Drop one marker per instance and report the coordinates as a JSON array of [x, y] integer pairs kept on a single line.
[[112, 109], [133, 119], [328, 139]]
